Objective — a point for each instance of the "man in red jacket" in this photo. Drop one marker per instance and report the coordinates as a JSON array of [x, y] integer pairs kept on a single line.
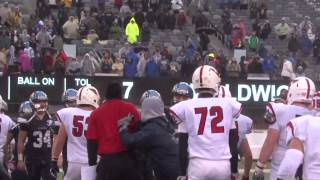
[[104, 139]]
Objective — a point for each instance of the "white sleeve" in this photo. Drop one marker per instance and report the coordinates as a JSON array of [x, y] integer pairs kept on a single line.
[[60, 116], [271, 109], [177, 112], [236, 108], [296, 128]]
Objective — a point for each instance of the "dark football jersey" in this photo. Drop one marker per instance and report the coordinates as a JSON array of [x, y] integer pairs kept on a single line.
[[40, 139]]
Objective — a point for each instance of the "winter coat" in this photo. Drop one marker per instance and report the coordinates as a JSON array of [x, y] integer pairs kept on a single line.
[[132, 31], [293, 44], [25, 62], [152, 69]]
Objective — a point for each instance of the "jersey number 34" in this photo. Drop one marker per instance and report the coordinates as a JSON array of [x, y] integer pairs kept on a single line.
[[217, 116]]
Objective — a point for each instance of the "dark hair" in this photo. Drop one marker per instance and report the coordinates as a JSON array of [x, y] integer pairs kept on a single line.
[[113, 91]]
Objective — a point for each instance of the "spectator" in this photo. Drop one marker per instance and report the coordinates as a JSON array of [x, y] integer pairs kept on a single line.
[[253, 42], [59, 66], [37, 63], [92, 36], [152, 69], [25, 62], [204, 41], [73, 67], [263, 11], [4, 12], [88, 67], [255, 66], [3, 60], [269, 66], [161, 20], [305, 44], [142, 64], [117, 67], [139, 17], [48, 62], [256, 27], [107, 63], [302, 64], [227, 31], [70, 30], [43, 38], [316, 49], [300, 72], [233, 69], [266, 30], [115, 31], [282, 29], [176, 5], [287, 72], [145, 33], [130, 68], [15, 17], [305, 25], [293, 44], [25, 37], [151, 17], [174, 68], [155, 139], [171, 20], [93, 23], [132, 31], [244, 67], [28, 50], [164, 67], [254, 11], [242, 28], [125, 9], [237, 38], [67, 3], [181, 19]]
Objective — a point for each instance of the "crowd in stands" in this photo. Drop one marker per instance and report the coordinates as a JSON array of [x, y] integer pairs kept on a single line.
[[33, 44]]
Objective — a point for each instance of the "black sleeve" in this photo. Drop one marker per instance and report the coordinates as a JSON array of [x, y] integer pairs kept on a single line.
[[183, 153], [233, 144], [140, 139], [92, 147], [24, 126]]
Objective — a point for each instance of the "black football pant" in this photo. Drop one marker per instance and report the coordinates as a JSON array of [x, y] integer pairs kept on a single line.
[[19, 175], [39, 171], [117, 167]]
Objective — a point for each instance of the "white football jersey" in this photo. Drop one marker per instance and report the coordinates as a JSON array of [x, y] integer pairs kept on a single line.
[[6, 124], [307, 128], [282, 113], [75, 121], [207, 122], [244, 126]]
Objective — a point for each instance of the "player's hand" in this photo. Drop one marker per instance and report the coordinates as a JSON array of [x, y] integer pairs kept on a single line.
[[258, 174], [182, 178], [54, 169], [21, 166], [124, 122]]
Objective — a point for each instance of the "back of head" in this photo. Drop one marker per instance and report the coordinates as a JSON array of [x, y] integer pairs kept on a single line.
[[151, 108], [88, 95], [205, 79], [301, 90], [113, 91]]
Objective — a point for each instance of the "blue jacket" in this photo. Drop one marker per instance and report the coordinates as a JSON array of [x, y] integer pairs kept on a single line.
[[156, 140], [152, 69]]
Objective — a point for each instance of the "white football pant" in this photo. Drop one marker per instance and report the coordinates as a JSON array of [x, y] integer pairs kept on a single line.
[[74, 171], [203, 169]]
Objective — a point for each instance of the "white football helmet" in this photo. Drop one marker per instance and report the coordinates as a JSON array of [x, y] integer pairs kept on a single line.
[[224, 92], [88, 95], [3, 104], [206, 77], [301, 89]]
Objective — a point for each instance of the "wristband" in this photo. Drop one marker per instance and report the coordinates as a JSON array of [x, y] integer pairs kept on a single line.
[[20, 157]]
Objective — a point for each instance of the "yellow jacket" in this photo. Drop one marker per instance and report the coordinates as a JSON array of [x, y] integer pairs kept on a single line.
[[132, 31]]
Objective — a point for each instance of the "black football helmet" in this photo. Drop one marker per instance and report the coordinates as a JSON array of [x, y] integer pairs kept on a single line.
[[39, 100], [69, 97], [181, 90]]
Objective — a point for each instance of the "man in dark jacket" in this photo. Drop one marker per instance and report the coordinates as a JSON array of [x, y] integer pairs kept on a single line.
[[293, 44], [154, 138]]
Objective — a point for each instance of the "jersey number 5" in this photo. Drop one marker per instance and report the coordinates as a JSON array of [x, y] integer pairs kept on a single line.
[[78, 126], [215, 111]]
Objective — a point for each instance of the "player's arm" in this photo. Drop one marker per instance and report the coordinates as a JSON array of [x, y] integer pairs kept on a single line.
[[267, 148], [58, 143], [7, 146], [92, 141], [247, 154], [22, 136], [233, 142], [292, 160]]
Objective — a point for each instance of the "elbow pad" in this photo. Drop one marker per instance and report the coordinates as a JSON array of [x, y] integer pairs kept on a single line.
[[290, 163]]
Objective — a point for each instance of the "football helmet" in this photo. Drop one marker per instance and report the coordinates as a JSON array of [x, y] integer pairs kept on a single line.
[[181, 89], [88, 95], [39, 101], [26, 110], [206, 78], [224, 92], [3, 104], [69, 97], [301, 89], [150, 93]]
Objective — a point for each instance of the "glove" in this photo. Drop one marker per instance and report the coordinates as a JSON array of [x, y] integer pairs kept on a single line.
[[182, 178], [54, 169], [124, 122]]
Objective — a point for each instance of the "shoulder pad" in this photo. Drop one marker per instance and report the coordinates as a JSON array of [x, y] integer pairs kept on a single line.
[[269, 116]]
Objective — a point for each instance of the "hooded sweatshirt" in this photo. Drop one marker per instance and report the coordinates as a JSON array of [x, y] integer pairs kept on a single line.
[[132, 31]]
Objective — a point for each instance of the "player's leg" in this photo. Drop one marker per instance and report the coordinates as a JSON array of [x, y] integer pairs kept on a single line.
[[200, 169], [273, 173], [45, 172], [33, 171], [74, 171]]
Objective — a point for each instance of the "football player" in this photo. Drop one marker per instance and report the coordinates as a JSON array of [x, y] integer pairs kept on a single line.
[[5, 125], [243, 126], [181, 91], [204, 129], [68, 98], [74, 122], [304, 146], [26, 111], [39, 130], [299, 102]]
